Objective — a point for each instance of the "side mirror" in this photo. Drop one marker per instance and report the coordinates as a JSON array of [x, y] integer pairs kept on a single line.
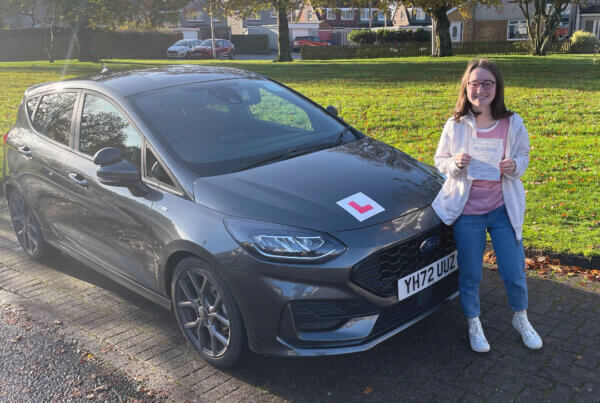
[[114, 171], [332, 109]]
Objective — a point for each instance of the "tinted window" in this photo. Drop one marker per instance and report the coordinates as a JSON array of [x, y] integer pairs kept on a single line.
[[155, 170], [220, 126], [103, 125], [31, 104], [54, 115]]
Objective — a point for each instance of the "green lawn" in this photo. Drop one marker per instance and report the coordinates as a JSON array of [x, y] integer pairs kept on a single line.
[[405, 102]]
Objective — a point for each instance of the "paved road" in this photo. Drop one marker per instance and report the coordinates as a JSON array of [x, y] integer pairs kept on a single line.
[[430, 361], [36, 365]]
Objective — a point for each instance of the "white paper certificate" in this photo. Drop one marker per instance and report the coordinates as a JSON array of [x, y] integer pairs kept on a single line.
[[486, 155]]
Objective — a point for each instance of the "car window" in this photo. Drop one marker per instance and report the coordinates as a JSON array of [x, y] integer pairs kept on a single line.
[[285, 113], [103, 125], [155, 170], [54, 115], [31, 104], [214, 127]]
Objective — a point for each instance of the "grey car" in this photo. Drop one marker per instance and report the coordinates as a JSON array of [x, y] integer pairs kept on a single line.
[[261, 219]]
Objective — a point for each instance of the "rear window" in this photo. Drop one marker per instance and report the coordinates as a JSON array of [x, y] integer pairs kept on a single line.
[[217, 127], [31, 104], [54, 114]]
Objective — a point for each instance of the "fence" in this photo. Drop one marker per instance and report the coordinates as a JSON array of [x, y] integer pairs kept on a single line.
[[365, 51], [412, 49], [251, 43], [27, 44]]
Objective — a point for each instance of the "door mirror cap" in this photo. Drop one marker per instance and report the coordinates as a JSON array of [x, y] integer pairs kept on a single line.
[[120, 173], [107, 156], [332, 109]]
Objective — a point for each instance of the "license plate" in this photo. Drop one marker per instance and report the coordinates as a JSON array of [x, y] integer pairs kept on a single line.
[[423, 278]]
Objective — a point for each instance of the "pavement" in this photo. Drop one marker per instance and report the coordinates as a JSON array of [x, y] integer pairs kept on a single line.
[[431, 361], [263, 56]]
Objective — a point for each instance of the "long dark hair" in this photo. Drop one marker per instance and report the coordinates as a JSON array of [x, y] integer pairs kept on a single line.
[[463, 105]]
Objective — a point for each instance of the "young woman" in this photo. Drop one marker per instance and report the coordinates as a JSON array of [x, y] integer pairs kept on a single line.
[[475, 207]]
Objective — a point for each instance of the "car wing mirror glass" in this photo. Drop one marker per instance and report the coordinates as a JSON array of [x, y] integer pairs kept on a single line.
[[107, 155]]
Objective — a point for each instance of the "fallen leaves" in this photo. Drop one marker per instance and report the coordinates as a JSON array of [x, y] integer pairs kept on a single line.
[[16, 339], [545, 266], [367, 390]]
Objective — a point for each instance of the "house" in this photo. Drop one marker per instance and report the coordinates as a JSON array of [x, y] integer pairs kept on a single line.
[[587, 17], [334, 24], [490, 23], [194, 22], [409, 17], [245, 25]]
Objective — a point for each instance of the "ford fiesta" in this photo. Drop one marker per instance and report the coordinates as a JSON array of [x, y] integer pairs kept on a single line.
[[260, 219]]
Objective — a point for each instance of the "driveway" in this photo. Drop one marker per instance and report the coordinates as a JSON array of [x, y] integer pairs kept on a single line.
[[430, 361], [263, 56]]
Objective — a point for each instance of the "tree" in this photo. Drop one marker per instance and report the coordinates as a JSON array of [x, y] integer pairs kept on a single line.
[[543, 18], [152, 14], [437, 10], [283, 8]]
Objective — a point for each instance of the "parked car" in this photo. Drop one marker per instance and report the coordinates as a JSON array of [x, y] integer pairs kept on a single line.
[[225, 49], [259, 218], [182, 48], [308, 41]]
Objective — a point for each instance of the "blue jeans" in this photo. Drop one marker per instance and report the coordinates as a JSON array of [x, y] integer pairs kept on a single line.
[[470, 237]]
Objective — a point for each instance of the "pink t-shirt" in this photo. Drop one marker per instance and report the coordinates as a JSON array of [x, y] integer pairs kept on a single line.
[[486, 196]]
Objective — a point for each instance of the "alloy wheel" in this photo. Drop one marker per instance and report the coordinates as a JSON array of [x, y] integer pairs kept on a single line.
[[202, 313], [25, 226]]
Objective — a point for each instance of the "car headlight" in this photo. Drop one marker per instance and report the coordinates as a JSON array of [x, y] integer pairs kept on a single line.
[[283, 243]]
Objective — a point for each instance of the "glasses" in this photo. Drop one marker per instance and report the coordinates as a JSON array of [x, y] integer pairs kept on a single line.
[[485, 84]]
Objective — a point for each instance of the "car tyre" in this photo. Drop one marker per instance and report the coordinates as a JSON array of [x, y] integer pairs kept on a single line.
[[27, 228], [231, 55], [188, 55], [207, 313]]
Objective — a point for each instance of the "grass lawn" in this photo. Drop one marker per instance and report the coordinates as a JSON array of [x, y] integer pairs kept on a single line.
[[405, 102]]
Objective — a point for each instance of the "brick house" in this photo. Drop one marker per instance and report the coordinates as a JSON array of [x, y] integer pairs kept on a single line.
[[490, 23]]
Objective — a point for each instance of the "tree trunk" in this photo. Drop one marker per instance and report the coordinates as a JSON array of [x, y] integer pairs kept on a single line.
[[285, 50], [51, 44], [212, 30], [84, 46], [443, 41]]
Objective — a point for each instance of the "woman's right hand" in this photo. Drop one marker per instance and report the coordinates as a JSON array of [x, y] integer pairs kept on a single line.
[[462, 160]]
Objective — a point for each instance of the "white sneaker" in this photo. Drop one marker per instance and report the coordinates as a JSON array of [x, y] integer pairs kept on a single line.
[[530, 337], [479, 343]]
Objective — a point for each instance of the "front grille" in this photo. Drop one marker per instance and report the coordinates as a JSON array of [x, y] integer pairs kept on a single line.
[[380, 272], [413, 306], [314, 315], [172, 53]]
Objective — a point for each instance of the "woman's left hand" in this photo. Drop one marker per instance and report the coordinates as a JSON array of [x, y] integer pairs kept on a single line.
[[508, 166]]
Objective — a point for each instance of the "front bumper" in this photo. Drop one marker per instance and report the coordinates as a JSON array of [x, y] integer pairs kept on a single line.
[[293, 310]]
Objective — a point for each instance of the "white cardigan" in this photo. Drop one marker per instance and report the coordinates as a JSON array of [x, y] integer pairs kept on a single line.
[[456, 139]]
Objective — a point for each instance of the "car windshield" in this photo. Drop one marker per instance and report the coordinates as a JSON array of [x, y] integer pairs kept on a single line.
[[224, 126], [207, 42], [183, 42]]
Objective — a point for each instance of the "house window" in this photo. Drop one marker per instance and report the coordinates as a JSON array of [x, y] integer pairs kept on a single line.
[[216, 19], [380, 16], [364, 14], [274, 14], [419, 14], [597, 28], [347, 14], [517, 31], [194, 15], [402, 15], [254, 17], [309, 15], [331, 13]]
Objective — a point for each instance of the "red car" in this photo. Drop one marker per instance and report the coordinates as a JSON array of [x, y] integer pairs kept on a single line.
[[225, 49], [308, 41]]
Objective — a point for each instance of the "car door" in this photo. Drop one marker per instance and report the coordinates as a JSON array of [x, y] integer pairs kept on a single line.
[[110, 225], [221, 49], [38, 156]]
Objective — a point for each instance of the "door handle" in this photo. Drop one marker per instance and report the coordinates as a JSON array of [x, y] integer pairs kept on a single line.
[[78, 179], [25, 151]]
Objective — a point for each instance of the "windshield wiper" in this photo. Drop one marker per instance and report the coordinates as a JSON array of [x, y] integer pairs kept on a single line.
[[290, 153]]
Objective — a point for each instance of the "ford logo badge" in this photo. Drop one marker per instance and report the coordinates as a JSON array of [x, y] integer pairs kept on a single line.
[[429, 244]]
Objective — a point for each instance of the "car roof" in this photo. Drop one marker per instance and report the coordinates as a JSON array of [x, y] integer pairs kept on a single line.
[[135, 81]]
